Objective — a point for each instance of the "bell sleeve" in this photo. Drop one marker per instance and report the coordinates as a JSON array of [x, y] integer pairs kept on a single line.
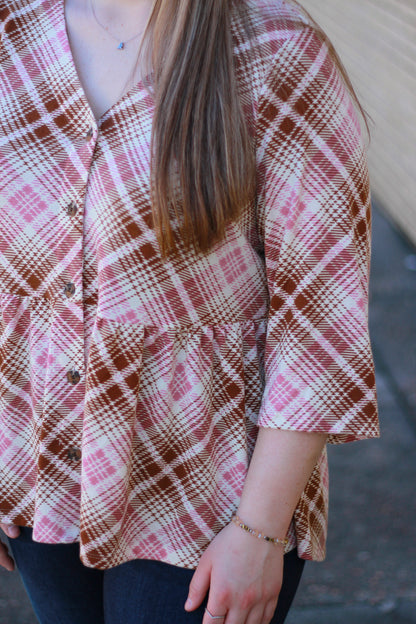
[[313, 205]]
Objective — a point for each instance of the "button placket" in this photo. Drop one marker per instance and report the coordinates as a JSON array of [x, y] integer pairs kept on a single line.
[[72, 291]]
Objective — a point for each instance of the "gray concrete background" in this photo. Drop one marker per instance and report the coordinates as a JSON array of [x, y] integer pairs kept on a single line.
[[369, 576]]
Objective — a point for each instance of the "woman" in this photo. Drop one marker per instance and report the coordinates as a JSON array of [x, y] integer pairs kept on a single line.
[[181, 334]]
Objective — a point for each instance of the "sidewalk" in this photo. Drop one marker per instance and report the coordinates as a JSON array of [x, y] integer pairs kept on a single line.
[[369, 576]]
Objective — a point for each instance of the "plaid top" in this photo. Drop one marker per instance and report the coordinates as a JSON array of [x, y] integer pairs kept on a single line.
[[131, 388]]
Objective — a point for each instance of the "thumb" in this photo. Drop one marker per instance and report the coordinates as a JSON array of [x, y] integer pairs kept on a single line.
[[199, 584], [11, 530]]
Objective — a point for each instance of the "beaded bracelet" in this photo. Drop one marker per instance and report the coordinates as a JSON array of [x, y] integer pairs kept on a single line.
[[273, 540]]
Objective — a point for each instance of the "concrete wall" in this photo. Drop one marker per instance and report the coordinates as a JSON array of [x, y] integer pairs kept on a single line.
[[376, 40]]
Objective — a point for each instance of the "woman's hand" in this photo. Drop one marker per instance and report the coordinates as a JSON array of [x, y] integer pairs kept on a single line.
[[243, 576], [11, 531]]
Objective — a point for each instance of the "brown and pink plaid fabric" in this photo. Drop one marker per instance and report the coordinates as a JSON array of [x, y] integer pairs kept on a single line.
[[131, 388]]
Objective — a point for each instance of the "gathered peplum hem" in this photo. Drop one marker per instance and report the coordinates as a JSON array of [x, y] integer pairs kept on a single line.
[[159, 414]]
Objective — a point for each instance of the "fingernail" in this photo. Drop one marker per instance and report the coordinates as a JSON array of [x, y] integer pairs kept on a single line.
[[13, 531], [188, 604]]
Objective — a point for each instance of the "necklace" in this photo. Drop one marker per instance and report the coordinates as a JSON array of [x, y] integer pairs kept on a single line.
[[121, 44]]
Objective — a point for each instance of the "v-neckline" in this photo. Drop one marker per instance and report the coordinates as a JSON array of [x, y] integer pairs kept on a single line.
[[137, 87]]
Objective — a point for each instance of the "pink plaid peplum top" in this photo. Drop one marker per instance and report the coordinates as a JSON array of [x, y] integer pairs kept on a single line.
[[132, 387]]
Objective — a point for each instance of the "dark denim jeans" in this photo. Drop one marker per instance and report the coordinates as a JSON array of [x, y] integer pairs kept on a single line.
[[63, 591]]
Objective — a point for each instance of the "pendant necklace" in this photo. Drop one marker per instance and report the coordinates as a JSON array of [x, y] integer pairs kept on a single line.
[[121, 44]]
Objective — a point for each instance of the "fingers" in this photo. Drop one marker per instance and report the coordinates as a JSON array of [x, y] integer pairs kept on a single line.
[[256, 615], [242, 577], [217, 607], [11, 530], [247, 610], [5, 560], [199, 584], [212, 617], [269, 612]]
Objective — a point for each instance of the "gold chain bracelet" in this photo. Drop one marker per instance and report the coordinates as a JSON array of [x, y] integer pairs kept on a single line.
[[273, 540]]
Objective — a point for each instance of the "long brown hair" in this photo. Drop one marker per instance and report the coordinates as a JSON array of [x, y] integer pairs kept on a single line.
[[203, 162]]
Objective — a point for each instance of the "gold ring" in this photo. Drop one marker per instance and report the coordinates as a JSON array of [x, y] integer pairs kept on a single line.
[[214, 617]]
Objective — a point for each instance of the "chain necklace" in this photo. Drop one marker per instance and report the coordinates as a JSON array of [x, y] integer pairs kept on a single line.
[[121, 44]]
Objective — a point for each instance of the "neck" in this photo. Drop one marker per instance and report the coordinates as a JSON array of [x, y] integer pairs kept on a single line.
[[124, 18]]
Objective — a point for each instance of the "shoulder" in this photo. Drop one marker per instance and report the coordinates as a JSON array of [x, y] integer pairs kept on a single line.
[[11, 7], [272, 33], [21, 9], [6, 10], [281, 15], [20, 19]]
